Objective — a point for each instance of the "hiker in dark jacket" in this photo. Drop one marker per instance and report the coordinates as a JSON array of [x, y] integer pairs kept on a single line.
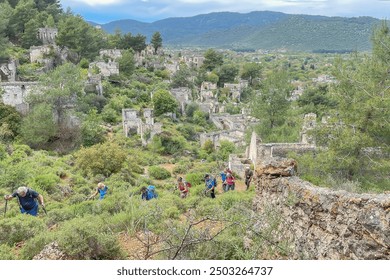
[[248, 177], [27, 200]]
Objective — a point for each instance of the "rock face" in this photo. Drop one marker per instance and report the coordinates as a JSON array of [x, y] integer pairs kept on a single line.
[[321, 223], [51, 252]]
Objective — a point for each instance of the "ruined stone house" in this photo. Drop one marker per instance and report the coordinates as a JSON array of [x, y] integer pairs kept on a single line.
[[111, 54], [15, 93], [106, 69], [183, 97], [207, 91], [47, 35], [235, 90], [8, 71], [141, 123], [195, 61]]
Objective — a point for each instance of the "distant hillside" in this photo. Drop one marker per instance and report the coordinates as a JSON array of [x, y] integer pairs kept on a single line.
[[257, 30]]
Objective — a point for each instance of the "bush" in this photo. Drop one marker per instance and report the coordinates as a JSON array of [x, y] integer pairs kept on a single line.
[[6, 253], [106, 158], [88, 239], [159, 173], [46, 182], [20, 228]]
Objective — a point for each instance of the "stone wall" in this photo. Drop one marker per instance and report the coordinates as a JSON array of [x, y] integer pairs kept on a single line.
[[321, 223], [14, 94]]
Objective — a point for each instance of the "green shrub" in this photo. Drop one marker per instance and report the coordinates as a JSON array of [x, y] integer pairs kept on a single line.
[[20, 228], [46, 182], [56, 216], [6, 253], [106, 158], [159, 173], [195, 178], [34, 246], [88, 238]]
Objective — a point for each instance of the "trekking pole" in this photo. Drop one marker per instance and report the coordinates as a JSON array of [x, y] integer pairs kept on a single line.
[[44, 210], [5, 209]]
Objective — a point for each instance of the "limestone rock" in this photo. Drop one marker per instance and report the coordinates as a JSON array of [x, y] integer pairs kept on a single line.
[[51, 252], [277, 167]]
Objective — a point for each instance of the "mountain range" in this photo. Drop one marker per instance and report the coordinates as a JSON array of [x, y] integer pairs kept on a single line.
[[257, 30]]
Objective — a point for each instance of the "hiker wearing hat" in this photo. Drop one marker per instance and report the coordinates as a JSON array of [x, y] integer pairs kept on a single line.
[[27, 199], [230, 182], [248, 177]]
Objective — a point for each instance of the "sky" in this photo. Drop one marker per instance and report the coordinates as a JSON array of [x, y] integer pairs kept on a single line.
[[103, 11]]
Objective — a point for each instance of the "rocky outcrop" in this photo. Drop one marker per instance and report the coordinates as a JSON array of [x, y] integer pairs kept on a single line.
[[321, 223], [51, 252]]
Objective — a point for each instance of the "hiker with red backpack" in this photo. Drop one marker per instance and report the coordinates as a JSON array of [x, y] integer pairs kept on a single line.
[[182, 186], [230, 182], [27, 199]]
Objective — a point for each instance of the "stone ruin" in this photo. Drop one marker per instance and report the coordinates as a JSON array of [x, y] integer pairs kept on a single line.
[[111, 54], [183, 96], [320, 223], [8, 71], [258, 151], [235, 90], [134, 123], [195, 61], [106, 69], [15, 93], [47, 35], [207, 91], [232, 128]]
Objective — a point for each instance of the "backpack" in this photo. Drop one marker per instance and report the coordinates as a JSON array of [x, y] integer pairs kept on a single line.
[[152, 192], [215, 182]]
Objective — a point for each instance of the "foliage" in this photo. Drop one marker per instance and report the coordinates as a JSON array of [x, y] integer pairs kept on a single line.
[[156, 41], [163, 102], [106, 158], [159, 173], [88, 239], [91, 131], [38, 127], [19, 228], [213, 59], [10, 121], [79, 36], [127, 63]]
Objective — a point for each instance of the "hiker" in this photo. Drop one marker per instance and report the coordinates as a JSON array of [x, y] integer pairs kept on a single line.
[[27, 200], [182, 187], [223, 179], [101, 189], [230, 182], [148, 193], [248, 176], [210, 185]]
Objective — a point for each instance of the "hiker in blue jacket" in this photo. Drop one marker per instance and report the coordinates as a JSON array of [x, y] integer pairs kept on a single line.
[[210, 183], [27, 200], [148, 193], [101, 189]]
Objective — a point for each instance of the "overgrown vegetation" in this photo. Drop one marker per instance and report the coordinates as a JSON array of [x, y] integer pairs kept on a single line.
[[72, 138]]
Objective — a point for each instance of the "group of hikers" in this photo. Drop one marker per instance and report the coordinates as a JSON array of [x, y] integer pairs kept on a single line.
[[28, 199]]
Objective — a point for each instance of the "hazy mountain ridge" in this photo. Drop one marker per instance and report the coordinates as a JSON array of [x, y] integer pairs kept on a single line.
[[257, 30]]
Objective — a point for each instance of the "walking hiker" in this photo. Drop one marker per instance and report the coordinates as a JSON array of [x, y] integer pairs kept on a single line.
[[27, 199], [101, 189], [182, 187], [148, 193], [223, 179], [248, 176], [210, 185], [230, 181]]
